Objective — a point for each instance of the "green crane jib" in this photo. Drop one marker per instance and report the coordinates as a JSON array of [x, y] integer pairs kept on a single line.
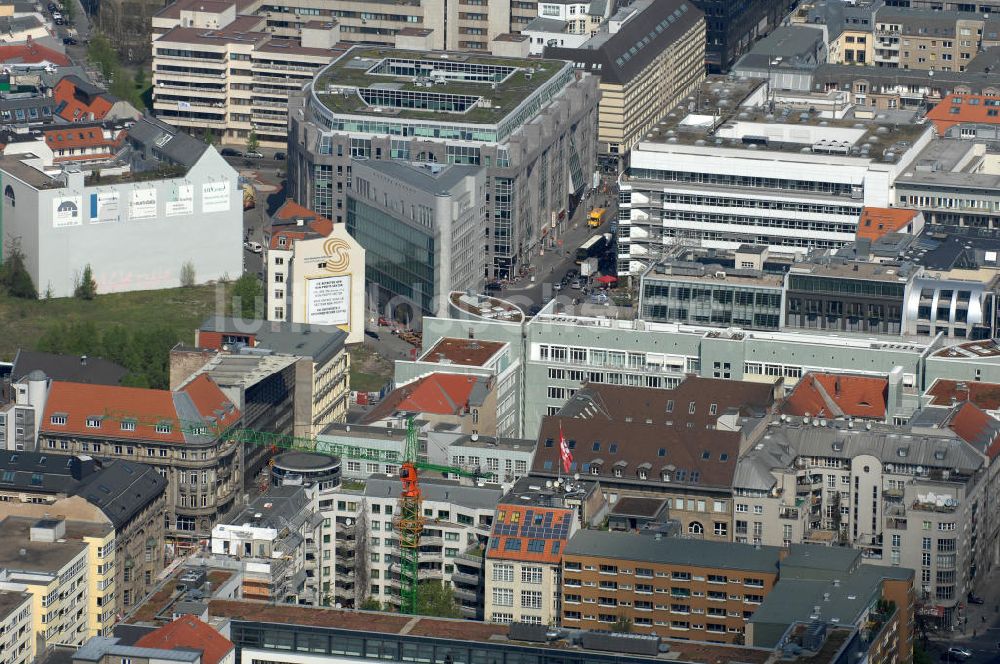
[[409, 519]]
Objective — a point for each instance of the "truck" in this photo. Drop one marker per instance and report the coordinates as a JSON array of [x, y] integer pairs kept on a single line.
[[596, 217], [594, 247]]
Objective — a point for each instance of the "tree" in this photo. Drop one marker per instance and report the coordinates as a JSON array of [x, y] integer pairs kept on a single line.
[[87, 288], [920, 655], [207, 136], [371, 604], [252, 142], [14, 277], [436, 598], [187, 275], [246, 292]]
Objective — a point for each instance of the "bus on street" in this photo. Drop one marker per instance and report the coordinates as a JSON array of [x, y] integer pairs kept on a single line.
[[595, 246]]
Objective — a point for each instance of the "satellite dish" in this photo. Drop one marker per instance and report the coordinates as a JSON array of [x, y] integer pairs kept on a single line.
[[548, 484], [576, 476], [348, 522]]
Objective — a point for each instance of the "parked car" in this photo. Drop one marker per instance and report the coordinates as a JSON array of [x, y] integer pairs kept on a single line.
[[253, 155], [960, 652], [975, 599], [52, 6], [229, 152], [373, 335], [279, 156], [59, 21], [493, 286], [255, 247], [557, 286], [69, 41], [576, 284]]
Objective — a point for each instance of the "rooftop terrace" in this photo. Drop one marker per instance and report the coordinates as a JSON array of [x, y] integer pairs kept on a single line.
[[731, 112], [443, 87]]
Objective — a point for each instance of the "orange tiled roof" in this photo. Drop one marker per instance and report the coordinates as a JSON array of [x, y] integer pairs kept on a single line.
[[189, 633], [76, 402], [984, 395], [437, 393], [73, 107], [291, 210], [876, 222], [976, 427], [32, 52], [529, 533], [964, 109], [835, 395]]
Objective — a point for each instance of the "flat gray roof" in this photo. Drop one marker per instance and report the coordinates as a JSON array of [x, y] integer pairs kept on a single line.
[[19, 554], [674, 551], [10, 600], [830, 558], [319, 342], [472, 497], [431, 178]]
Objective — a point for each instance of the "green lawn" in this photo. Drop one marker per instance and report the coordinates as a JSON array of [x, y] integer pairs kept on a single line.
[[369, 371], [22, 322]]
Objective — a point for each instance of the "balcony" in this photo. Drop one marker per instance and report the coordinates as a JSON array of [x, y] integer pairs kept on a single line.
[[467, 579], [895, 523], [791, 513], [949, 506], [425, 574], [471, 558]]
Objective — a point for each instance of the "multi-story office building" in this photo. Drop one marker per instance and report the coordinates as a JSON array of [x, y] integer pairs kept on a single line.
[[928, 39], [639, 86], [273, 537], [908, 498], [128, 497], [701, 178], [690, 287], [217, 70], [15, 625], [163, 189], [422, 228], [315, 272], [732, 28], [680, 588], [531, 123], [180, 433], [851, 296], [320, 390]]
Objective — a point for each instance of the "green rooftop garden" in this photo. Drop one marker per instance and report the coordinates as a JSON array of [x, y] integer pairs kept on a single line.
[[350, 71]]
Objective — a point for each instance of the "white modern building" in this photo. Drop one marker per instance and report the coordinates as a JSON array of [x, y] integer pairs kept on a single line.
[[565, 24], [751, 171], [166, 201]]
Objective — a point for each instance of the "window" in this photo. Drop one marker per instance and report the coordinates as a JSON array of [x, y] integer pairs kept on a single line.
[[503, 572], [503, 597], [531, 574], [531, 599], [721, 529], [128, 425], [695, 528], [57, 419]]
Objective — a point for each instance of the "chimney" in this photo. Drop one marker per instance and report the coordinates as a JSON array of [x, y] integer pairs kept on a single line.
[[83, 360]]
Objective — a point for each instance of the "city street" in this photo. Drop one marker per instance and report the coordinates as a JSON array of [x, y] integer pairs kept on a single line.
[[981, 634]]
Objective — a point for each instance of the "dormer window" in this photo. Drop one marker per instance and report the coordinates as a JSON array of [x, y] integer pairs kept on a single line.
[[128, 425], [163, 427], [59, 419], [595, 469], [93, 422], [642, 474], [665, 476], [618, 472]]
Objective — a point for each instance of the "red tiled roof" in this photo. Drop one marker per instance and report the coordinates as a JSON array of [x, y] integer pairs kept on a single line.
[[188, 632], [79, 401], [75, 107], [963, 109], [876, 222], [437, 393], [836, 395], [32, 52], [984, 395], [976, 427], [530, 533], [291, 210]]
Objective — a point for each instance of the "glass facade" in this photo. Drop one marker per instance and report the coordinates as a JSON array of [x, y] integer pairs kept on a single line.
[[398, 257], [719, 303]]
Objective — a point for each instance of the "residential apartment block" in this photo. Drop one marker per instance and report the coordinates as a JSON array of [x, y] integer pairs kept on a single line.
[[223, 72], [272, 537], [565, 24], [15, 625], [532, 123], [649, 57], [128, 497], [912, 498], [929, 39], [524, 558], [680, 588]]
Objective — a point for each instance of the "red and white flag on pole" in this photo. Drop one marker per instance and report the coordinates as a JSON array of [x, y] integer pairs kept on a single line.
[[564, 454]]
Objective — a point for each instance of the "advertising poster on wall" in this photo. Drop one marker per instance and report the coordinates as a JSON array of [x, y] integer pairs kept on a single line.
[[143, 204], [328, 300], [104, 207], [182, 203], [215, 197], [66, 211]]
